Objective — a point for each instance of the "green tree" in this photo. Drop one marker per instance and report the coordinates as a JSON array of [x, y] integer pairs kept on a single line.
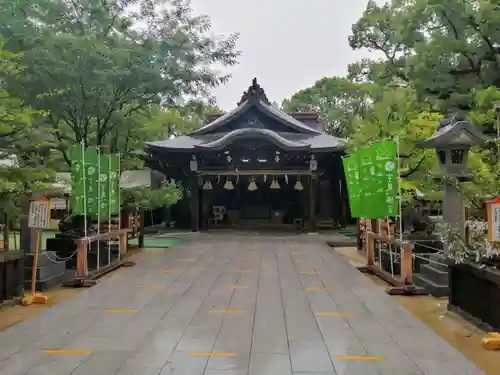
[[337, 100], [93, 64], [443, 49], [396, 114], [21, 144]]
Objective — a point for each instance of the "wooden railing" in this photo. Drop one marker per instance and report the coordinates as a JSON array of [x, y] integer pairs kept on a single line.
[[83, 248]]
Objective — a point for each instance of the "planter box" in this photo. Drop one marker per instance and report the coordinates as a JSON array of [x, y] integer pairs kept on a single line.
[[475, 294]]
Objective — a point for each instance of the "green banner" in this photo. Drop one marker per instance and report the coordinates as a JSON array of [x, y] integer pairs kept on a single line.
[[104, 169], [351, 170], [114, 184], [385, 160], [374, 193], [77, 186], [91, 161], [367, 183]]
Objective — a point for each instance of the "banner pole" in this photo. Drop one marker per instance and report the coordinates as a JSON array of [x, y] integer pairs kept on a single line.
[[109, 209], [98, 204], [119, 193], [84, 188], [400, 198]]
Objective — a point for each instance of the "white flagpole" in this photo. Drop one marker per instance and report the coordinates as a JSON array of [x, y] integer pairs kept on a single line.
[[399, 193], [109, 208], [84, 187], [98, 204], [119, 193]]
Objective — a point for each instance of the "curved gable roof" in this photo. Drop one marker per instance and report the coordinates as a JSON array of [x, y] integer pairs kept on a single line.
[[255, 97]]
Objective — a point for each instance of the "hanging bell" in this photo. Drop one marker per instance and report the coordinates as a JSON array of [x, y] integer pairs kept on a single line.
[[228, 185], [298, 185], [252, 186], [207, 185], [275, 184]]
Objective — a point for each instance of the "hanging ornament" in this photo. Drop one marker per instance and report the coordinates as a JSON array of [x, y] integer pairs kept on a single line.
[[252, 186], [275, 184], [286, 179], [265, 178], [207, 185], [218, 179], [298, 185], [228, 185]]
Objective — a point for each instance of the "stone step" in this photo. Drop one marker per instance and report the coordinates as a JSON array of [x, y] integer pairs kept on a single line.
[[434, 289], [436, 275], [45, 284], [439, 262], [44, 272]]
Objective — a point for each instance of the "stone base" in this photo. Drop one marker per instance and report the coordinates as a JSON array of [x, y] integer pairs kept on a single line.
[[434, 276], [50, 271]]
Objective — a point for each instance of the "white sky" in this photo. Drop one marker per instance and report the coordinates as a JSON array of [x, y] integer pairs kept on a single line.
[[286, 44]]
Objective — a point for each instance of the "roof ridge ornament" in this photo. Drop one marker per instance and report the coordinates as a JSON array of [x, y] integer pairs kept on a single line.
[[254, 92]]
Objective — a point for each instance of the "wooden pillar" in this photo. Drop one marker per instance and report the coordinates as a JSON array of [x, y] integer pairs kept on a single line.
[[194, 202], [205, 208], [141, 227], [313, 187]]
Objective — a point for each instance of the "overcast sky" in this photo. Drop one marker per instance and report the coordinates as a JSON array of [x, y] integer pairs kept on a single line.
[[286, 44]]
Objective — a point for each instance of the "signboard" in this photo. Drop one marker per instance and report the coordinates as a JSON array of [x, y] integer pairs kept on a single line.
[[493, 208], [114, 184], [39, 214]]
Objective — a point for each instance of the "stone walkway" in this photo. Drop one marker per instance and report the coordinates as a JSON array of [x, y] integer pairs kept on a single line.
[[231, 305]]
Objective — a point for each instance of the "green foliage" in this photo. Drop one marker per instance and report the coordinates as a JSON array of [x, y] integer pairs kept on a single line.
[[337, 100], [444, 49], [168, 194], [20, 144], [92, 65]]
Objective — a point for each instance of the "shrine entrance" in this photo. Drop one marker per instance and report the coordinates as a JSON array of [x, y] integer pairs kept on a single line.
[[255, 202]]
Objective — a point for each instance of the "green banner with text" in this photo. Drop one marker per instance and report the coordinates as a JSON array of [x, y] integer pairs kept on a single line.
[[351, 169], [372, 181]]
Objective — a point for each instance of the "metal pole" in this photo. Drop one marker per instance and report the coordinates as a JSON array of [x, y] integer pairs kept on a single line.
[[98, 204], [399, 193], [84, 188], [109, 210]]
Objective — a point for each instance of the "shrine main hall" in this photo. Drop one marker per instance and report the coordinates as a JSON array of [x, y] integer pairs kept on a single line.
[[256, 167]]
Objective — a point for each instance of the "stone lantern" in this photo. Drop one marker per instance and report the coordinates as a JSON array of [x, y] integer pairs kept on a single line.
[[453, 139]]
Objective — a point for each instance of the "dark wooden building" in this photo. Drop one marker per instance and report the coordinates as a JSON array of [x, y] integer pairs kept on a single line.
[[255, 166]]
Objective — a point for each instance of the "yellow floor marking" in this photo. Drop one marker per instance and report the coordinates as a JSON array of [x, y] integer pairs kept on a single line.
[[319, 289], [77, 352], [235, 287], [152, 287], [359, 357], [331, 314], [308, 273], [120, 311], [241, 271], [173, 270], [226, 311], [211, 354]]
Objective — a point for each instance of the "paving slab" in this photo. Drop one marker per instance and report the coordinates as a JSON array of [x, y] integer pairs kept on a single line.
[[231, 305]]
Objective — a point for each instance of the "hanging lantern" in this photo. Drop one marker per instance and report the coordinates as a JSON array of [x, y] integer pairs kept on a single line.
[[228, 185], [252, 186], [207, 185], [275, 184], [298, 185]]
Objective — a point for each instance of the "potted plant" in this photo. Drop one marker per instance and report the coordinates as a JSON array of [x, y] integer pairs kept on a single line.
[[474, 274]]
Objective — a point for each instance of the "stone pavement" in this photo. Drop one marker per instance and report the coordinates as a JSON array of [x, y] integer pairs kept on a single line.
[[231, 305]]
